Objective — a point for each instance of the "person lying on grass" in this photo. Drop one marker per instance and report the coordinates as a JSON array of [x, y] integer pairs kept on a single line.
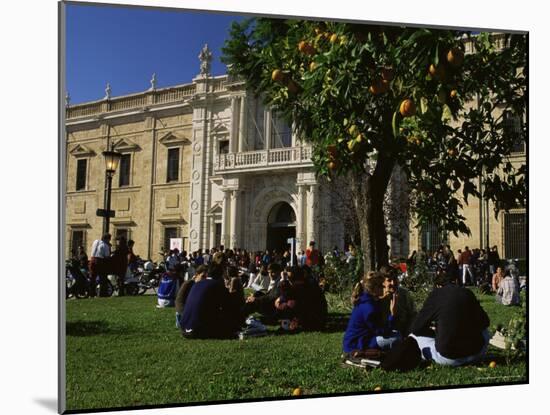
[[461, 334], [366, 328]]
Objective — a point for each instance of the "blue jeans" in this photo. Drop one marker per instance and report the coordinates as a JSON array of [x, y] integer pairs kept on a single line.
[[429, 352]]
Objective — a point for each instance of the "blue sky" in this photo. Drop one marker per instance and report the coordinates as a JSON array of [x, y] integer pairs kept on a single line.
[[125, 46]]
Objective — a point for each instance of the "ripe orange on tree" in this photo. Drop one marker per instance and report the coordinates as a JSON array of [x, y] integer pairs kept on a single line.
[[453, 93], [306, 48], [407, 108], [334, 38], [278, 76], [380, 86], [455, 57]]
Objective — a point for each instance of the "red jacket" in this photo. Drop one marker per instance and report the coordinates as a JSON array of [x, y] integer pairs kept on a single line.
[[312, 257]]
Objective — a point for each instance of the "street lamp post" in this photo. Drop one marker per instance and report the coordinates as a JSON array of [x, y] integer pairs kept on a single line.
[[112, 159]]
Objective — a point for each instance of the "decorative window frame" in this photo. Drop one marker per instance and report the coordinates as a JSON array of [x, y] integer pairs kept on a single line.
[[82, 152], [174, 140], [126, 146]]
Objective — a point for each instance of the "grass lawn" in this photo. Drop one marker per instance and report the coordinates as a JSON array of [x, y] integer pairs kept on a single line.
[[125, 352]]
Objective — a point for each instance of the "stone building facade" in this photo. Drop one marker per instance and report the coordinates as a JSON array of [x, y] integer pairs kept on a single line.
[[203, 161], [207, 162]]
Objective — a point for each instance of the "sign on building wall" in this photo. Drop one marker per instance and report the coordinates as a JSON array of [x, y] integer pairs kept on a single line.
[[176, 243]]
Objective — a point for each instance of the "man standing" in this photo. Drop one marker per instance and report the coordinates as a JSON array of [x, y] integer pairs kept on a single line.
[[312, 255], [465, 259], [119, 263], [99, 264], [461, 334], [493, 259]]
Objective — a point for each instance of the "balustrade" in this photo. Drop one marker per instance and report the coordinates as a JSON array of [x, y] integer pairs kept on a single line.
[[263, 158]]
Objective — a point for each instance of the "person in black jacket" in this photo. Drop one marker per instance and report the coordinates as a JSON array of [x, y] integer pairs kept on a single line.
[[205, 313], [460, 323]]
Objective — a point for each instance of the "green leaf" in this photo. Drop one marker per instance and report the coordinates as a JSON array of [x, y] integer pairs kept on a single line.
[[447, 114], [423, 105], [395, 123], [436, 57]]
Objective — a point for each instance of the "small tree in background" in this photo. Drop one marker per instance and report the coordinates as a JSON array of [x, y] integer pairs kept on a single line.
[[369, 98]]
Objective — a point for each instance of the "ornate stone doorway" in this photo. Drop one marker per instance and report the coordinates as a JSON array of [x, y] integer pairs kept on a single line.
[[281, 225]]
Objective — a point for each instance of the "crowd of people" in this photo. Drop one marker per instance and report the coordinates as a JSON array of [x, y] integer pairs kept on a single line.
[[104, 261], [207, 290], [469, 266]]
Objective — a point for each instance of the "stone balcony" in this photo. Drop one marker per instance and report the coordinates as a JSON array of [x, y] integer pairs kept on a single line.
[[146, 99], [261, 160]]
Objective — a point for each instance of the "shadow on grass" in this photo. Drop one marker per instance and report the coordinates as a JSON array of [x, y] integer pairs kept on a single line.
[[87, 328], [336, 323]]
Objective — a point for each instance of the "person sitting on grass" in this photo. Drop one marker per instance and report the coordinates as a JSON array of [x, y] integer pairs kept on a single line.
[[498, 276], [265, 303], [461, 334], [206, 311], [235, 306], [261, 281], [168, 288], [366, 328], [405, 310], [301, 303], [183, 292], [508, 290]]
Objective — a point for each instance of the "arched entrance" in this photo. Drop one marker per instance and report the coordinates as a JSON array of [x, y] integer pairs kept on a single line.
[[281, 225]]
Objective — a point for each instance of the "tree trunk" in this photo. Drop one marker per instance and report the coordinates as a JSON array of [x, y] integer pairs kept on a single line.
[[367, 192]]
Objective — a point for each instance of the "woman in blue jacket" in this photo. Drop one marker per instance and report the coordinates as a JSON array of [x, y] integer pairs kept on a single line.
[[366, 330]]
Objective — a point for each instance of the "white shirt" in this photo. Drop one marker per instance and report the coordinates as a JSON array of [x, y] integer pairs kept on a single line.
[[100, 249], [172, 261]]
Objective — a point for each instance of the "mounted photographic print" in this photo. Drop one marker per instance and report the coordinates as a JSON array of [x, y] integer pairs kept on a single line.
[[273, 208]]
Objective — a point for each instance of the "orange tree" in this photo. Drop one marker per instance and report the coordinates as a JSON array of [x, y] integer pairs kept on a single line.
[[370, 98]]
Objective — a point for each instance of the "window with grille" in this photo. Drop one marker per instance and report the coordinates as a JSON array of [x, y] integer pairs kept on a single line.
[[122, 233], [513, 128], [173, 165], [77, 239], [170, 232], [124, 177], [515, 235], [281, 132], [81, 167], [431, 237], [223, 147]]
